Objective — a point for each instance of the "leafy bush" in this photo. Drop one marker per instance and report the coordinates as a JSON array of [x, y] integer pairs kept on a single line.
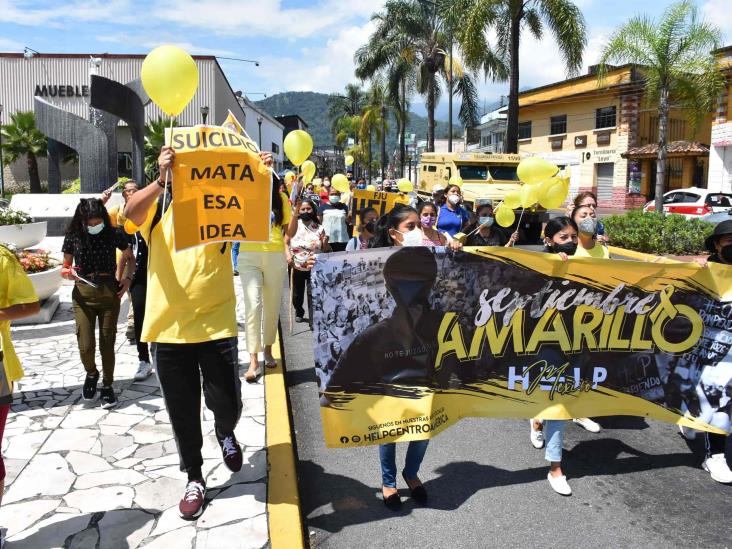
[[14, 217], [75, 187], [659, 234]]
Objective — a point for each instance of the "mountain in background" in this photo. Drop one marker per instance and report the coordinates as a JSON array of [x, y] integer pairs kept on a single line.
[[313, 108]]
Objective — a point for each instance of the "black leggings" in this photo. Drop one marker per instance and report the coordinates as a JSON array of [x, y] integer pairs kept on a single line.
[[301, 285], [714, 443], [138, 291]]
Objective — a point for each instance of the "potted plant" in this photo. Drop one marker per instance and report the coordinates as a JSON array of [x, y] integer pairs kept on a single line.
[[17, 228], [43, 270]]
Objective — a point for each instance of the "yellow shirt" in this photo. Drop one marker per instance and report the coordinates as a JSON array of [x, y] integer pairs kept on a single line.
[[117, 216], [276, 238], [598, 251], [15, 289], [190, 293]]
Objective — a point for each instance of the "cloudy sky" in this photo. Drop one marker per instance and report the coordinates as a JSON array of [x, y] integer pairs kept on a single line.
[[300, 44]]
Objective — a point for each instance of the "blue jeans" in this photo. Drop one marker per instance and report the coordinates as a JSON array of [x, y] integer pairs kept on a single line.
[[387, 454], [554, 437], [235, 255]]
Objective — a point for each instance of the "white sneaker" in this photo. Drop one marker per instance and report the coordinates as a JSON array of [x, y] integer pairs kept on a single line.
[[536, 437], [588, 424], [716, 466], [559, 484], [687, 432], [143, 371]]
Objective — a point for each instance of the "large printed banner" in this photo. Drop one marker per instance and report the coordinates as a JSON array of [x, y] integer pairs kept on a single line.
[[221, 189], [410, 340], [382, 202]]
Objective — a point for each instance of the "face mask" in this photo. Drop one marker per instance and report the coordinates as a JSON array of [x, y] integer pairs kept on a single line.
[[370, 227], [326, 183], [588, 226], [412, 238], [568, 248], [96, 229], [408, 289], [486, 221], [307, 217], [454, 199], [726, 253], [428, 220], [335, 199]]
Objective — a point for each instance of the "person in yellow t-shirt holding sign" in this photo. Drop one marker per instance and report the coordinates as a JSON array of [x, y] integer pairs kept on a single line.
[[190, 316], [588, 245], [17, 300]]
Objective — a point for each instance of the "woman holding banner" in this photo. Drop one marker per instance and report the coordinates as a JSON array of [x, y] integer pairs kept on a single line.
[[262, 269], [587, 243]]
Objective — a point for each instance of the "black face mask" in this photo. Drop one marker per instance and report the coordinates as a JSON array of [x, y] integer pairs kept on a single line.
[[726, 253], [308, 217], [568, 248], [370, 227]]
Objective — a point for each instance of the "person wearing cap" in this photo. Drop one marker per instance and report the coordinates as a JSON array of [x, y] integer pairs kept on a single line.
[[719, 244], [438, 195]]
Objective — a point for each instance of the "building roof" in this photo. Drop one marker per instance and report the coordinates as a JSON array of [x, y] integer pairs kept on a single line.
[[674, 149], [87, 55], [290, 116]]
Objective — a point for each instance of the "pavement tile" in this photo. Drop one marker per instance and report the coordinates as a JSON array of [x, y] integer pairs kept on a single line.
[[239, 502], [123, 477], [159, 493], [100, 499], [45, 475], [180, 539], [247, 534], [24, 446], [124, 525], [61, 440], [19, 516], [49, 533], [83, 463]]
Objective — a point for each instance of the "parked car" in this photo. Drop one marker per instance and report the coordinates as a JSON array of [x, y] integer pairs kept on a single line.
[[715, 218], [693, 202]]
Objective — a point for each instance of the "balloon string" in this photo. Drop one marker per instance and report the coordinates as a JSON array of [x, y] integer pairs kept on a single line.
[[167, 171], [518, 225]]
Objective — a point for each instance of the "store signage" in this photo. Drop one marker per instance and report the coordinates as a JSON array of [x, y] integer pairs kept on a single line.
[[580, 141], [605, 155], [60, 90], [556, 144], [603, 138]]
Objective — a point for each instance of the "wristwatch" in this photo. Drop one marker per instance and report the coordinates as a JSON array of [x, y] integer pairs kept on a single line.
[[160, 182]]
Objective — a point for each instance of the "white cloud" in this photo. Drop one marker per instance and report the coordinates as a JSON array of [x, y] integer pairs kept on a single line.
[[40, 14], [6, 44], [719, 13], [147, 42]]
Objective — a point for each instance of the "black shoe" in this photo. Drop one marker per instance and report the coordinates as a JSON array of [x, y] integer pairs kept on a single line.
[[90, 387], [236, 273], [393, 502], [231, 452], [109, 400], [419, 494], [299, 318]]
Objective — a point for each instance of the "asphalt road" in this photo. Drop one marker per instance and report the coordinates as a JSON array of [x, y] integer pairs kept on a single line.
[[637, 483]]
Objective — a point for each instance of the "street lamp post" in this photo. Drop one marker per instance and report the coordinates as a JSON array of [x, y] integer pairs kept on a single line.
[[2, 168], [259, 123], [204, 113]]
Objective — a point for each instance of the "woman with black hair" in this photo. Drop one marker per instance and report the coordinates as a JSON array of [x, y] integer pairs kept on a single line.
[[367, 225], [89, 254], [262, 269], [452, 216], [483, 231]]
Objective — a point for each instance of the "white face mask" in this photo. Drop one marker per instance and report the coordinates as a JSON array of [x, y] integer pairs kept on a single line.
[[412, 238], [454, 199], [335, 199], [96, 229]]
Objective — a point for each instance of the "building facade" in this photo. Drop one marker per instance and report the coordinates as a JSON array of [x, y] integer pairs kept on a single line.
[[64, 80], [491, 133], [720, 155], [590, 125]]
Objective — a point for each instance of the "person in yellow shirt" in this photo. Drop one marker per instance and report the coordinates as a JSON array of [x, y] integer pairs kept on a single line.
[[117, 213], [587, 245], [262, 269], [17, 300], [190, 316]]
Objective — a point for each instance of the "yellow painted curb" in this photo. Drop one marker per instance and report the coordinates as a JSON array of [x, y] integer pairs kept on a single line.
[[639, 256], [283, 499]]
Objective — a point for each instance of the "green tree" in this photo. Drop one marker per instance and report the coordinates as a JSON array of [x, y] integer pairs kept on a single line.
[[374, 117], [509, 18], [676, 60], [154, 141], [414, 32], [21, 137]]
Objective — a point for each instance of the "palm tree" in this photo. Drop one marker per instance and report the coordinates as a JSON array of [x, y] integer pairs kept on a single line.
[[21, 137], [414, 32], [509, 18], [375, 117], [351, 103], [675, 59], [154, 141]]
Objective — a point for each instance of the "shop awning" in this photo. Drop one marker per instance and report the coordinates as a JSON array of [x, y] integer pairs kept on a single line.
[[675, 149]]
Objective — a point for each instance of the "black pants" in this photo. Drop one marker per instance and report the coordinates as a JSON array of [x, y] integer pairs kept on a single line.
[[338, 246], [714, 443], [138, 291], [301, 284], [179, 368]]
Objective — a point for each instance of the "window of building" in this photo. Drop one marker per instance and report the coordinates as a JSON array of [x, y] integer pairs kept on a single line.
[[431, 168], [275, 148], [558, 124], [605, 117], [524, 130]]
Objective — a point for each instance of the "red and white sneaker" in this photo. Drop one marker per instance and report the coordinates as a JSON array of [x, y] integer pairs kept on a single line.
[[191, 506]]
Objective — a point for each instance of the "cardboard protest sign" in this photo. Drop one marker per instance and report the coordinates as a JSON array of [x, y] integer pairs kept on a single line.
[[221, 190], [231, 123], [410, 340], [383, 202]]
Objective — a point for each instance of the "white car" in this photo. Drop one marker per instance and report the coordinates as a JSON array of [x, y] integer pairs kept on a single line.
[[693, 202]]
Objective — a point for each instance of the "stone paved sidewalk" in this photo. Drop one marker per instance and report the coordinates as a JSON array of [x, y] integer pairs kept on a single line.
[[83, 477]]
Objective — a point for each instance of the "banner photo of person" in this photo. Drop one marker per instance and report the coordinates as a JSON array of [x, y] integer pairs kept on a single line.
[[409, 340]]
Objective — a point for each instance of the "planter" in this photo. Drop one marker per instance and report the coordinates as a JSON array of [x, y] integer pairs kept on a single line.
[[47, 283], [23, 236]]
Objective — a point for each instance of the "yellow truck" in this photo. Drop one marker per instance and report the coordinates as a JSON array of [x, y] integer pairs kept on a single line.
[[486, 178]]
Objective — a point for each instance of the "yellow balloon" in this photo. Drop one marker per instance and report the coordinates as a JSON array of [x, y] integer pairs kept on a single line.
[[298, 145], [289, 177], [505, 216], [130, 227], [513, 199], [370, 188], [308, 170], [529, 195], [456, 180], [405, 186], [349, 160], [170, 77], [340, 183], [534, 169], [555, 195]]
